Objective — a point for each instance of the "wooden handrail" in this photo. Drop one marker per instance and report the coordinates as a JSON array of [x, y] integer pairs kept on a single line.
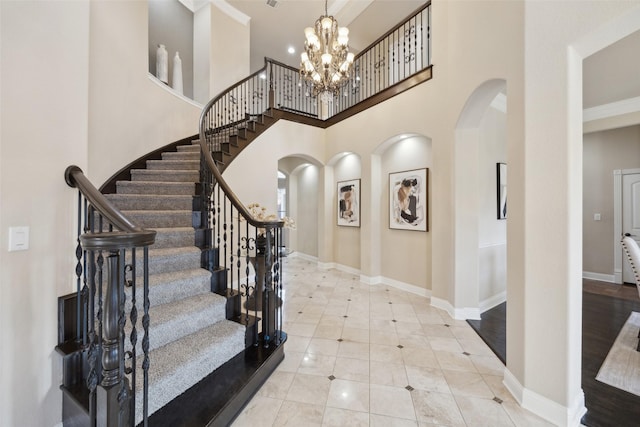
[[137, 236], [235, 201]]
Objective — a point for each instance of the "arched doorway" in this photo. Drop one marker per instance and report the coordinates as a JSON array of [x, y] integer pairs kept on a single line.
[[480, 236]]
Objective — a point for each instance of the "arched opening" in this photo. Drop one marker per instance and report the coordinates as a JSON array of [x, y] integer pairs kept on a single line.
[[480, 233], [401, 247], [298, 189]]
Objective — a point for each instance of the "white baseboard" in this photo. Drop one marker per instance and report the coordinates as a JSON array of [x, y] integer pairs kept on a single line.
[[599, 276], [371, 280], [406, 287], [617, 276], [464, 313], [346, 269], [543, 407], [493, 301], [297, 254]]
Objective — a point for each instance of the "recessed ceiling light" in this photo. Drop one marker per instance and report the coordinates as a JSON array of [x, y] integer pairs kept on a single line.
[[291, 50]]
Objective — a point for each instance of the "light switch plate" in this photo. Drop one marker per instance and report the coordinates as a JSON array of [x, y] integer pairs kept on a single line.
[[597, 217], [18, 238]]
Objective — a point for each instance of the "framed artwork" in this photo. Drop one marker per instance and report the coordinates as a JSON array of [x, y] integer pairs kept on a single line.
[[501, 169], [349, 203], [408, 200]]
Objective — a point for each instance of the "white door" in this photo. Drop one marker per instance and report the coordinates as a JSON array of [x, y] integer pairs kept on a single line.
[[630, 217]]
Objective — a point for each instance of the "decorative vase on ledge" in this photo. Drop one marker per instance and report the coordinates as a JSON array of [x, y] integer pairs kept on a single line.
[[162, 64], [176, 81]]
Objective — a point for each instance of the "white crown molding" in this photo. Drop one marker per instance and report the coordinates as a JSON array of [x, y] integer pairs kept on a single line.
[[613, 109], [232, 12]]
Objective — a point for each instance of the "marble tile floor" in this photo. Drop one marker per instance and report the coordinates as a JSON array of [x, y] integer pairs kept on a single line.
[[362, 355]]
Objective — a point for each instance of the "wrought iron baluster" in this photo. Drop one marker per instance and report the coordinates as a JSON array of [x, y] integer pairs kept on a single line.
[[145, 339], [238, 307], [133, 316], [267, 320], [277, 285], [124, 402]]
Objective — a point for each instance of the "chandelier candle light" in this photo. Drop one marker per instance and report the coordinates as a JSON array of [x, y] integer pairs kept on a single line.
[[326, 62]]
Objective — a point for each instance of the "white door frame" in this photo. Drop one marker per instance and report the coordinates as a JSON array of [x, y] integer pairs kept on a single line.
[[617, 220]]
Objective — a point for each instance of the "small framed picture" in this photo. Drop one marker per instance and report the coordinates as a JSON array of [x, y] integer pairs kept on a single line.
[[408, 200], [349, 203], [501, 172]]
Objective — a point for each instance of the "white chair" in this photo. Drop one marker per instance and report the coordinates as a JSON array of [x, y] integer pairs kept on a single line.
[[632, 250]]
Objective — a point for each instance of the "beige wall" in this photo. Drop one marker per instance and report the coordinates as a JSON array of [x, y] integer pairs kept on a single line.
[[307, 210], [551, 231], [44, 64], [474, 41], [129, 115], [492, 232], [405, 254], [346, 243], [229, 40], [603, 152]]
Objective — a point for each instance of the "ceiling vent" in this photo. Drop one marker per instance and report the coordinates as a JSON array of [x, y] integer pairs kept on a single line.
[[272, 3]]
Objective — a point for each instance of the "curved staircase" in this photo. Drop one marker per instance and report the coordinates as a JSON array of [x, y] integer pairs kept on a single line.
[[191, 335]]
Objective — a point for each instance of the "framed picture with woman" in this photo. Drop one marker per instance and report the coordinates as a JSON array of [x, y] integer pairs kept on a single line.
[[349, 203], [408, 200]]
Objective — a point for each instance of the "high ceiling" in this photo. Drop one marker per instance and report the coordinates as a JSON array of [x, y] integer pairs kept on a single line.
[[275, 29]]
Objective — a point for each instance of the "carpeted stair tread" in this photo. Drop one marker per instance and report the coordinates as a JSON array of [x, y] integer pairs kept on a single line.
[[190, 148], [150, 201], [173, 165], [174, 286], [171, 321], [156, 187], [165, 175], [165, 260], [181, 155], [150, 219], [181, 364], [173, 237]]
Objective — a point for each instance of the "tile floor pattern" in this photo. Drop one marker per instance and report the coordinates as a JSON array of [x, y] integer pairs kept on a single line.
[[361, 355]]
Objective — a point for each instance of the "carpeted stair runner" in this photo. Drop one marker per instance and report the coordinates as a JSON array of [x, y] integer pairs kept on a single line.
[[189, 336]]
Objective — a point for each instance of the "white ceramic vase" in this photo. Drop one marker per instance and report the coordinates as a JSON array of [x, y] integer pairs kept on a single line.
[[176, 82], [162, 64]]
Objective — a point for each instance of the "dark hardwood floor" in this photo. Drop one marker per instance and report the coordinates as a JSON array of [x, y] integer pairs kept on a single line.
[[605, 309], [492, 328]]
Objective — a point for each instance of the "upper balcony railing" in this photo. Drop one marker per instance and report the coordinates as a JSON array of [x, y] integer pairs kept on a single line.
[[397, 55], [387, 67]]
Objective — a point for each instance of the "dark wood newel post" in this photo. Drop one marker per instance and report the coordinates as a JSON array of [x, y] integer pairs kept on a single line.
[[110, 333], [111, 386]]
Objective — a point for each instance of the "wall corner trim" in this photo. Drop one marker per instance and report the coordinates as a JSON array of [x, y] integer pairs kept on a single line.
[[489, 303], [462, 313], [543, 407]]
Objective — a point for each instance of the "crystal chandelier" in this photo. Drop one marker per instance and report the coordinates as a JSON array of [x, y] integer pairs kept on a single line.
[[326, 61]]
